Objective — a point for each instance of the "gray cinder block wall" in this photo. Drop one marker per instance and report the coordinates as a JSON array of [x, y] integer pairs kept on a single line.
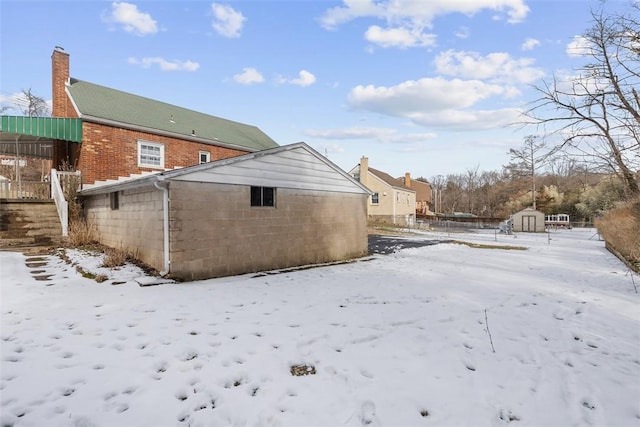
[[215, 232]]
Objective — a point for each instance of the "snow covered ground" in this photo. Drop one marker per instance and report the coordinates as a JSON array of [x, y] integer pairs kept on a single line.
[[394, 340]]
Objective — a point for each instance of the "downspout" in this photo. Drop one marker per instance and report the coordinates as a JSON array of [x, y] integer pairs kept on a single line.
[[165, 223]]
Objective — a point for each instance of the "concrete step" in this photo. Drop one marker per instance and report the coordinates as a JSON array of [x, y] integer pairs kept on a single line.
[[28, 223], [19, 244]]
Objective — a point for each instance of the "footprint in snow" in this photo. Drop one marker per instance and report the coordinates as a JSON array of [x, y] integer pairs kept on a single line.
[[508, 416], [366, 373], [368, 414]]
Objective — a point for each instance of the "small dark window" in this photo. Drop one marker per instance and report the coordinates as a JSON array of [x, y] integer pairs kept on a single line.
[[114, 201], [205, 157], [375, 199], [263, 196]]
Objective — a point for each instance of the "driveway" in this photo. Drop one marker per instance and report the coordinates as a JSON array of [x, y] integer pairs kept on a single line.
[[384, 244]]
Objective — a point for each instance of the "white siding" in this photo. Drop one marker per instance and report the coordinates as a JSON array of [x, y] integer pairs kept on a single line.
[[297, 168]]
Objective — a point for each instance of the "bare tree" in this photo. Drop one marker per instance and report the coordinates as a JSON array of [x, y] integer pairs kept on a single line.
[[491, 193], [596, 112], [471, 186], [34, 105], [438, 183], [453, 194], [529, 159]]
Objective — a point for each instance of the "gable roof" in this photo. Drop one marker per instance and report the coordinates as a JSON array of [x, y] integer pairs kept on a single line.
[[394, 182], [296, 166], [422, 189], [110, 106]]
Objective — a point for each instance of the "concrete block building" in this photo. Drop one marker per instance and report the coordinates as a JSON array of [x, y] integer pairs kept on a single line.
[[282, 207]]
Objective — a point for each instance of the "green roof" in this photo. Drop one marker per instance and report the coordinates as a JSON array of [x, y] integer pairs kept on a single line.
[[103, 103], [36, 128]]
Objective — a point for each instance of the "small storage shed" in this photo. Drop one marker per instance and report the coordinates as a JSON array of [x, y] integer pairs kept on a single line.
[[528, 220], [282, 207]]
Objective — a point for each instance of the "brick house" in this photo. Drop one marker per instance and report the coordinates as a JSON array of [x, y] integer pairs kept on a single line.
[[277, 208], [392, 200], [124, 134]]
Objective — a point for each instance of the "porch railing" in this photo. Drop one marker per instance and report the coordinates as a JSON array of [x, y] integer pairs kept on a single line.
[[53, 189], [61, 204], [24, 189]]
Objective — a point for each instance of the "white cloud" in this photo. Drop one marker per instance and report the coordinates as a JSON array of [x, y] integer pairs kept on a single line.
[[579, 46], [468, 119], [407, 19], [427, 94], [305, 78], [227, 21], [248, 76], [398, 37], [165, 65], [352, 9], [370, 133], [496, 67], [131, 19], [530, 44], [436, 102], [13, 103]]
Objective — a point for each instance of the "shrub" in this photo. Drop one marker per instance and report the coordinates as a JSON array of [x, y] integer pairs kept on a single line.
[[82, 234], [114, 257], [619, 228]]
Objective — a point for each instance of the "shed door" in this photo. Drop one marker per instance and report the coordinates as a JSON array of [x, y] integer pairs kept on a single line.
[[528, 223]]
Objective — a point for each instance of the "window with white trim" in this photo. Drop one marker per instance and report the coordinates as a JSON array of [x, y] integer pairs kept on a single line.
[[205, 157], [150, 154], [375, 198]]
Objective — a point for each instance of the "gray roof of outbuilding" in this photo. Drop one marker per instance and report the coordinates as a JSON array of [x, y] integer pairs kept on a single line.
[[100, 103]]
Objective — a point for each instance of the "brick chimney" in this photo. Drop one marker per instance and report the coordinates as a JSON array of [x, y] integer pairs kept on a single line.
[[60, 79], [407, 180], [364, 171]]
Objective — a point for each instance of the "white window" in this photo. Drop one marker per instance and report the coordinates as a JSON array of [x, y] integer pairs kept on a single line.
[[150, 154], [205, 157]]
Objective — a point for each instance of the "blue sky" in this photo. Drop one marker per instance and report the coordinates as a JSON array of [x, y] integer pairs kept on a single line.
[[421, 86]]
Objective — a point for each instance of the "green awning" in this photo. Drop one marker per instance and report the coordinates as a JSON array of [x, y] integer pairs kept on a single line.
[[60, 128]]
